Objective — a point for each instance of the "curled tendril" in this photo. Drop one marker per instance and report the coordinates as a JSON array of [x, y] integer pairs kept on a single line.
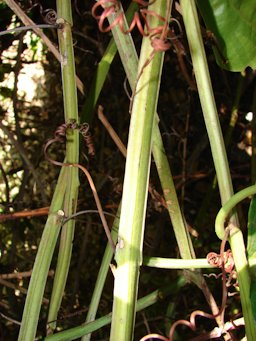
[[159, 35], [50, 16], [84, 130], [136, 22], [218, 260], [60, 136]]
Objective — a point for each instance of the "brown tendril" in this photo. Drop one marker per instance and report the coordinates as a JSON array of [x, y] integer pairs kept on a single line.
[[60, 136], [50, 16], [84, 130]]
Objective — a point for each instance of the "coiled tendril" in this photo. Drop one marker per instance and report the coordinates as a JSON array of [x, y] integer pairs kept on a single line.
[[60, 136], [102, 9], [50, 16]]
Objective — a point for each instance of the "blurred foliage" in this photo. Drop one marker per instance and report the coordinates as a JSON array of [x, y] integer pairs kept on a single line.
[[33, 122]]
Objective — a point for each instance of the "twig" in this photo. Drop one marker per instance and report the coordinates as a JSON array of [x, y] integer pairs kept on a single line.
[[25, 214], [111, 131], [98, 203], [22, 274], [73, 216], [10, 319], [20, 289], [26, 28]]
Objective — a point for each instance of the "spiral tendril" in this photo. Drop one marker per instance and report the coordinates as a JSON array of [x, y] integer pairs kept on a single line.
[[102, 9], [50, 16]]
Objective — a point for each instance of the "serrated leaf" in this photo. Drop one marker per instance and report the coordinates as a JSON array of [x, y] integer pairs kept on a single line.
[[233, 23]]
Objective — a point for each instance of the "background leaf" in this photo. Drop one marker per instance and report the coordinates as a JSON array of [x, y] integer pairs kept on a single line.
[[251, 250], [233, 23]]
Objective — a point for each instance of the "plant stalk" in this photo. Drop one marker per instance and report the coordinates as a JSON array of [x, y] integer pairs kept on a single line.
[[192, 26], [131, 230], [72, 157]]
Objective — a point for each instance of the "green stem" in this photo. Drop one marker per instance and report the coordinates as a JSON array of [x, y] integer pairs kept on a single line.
[[238, 250], [179, 226], [143, 303], [200, 219], [173, 263], [42, 263], [104, 268], [253, 162], [128, 55], [72, 156], [131, 230], [228, 207], [207, 100], [103, 69], [130, 61], [204, 86]]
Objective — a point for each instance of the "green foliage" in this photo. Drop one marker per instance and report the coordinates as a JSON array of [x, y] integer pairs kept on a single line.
[[233, 23], [251, 251], [251, 243]]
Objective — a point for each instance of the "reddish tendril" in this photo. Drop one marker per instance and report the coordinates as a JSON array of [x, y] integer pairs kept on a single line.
[[158, 35], [112, 7], [216, 260]]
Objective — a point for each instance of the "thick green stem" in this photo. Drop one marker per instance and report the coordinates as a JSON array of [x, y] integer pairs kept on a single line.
[[238, 250], [72, 156], [174, 263], [129, 59], [131, 230], [128, 55], [253, 162], [104, 268], [42, 263], [179, 226], [143, 303], [207, 100], [204, 86]]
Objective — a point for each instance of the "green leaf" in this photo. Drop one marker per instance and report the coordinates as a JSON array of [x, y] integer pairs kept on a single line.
[[251, 251], [233, 23], [251, 242]]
